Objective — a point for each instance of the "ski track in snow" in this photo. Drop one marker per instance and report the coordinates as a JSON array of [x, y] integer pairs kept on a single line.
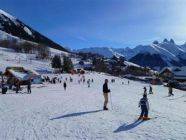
[[52, 113]]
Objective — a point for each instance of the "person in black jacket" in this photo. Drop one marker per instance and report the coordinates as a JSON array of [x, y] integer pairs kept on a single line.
[[29, 86], [105, 94], [65, 85]]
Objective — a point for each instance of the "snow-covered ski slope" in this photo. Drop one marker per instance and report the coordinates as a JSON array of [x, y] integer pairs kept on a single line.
[[50, 113], [9, 58]]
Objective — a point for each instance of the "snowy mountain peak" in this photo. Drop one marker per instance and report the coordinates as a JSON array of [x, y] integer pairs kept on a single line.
[[155, 42], [17, 28], [172, 41], [7, 14], [165, 41]]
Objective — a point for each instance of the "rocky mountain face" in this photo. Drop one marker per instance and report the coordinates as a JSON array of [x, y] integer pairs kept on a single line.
[[15, 27]]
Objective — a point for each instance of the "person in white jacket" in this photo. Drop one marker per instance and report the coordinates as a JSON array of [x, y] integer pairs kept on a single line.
[[144, 104]]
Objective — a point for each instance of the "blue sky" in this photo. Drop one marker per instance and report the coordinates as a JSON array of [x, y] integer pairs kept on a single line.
[[98, 23]]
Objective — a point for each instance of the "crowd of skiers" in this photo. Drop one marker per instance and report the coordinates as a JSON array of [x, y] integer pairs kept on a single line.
[[143, 103]]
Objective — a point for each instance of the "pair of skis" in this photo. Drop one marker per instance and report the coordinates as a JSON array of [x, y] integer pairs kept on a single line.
[[146, 119]]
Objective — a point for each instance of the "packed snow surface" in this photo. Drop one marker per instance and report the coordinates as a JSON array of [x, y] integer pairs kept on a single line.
[[9, 58], [50, 113]]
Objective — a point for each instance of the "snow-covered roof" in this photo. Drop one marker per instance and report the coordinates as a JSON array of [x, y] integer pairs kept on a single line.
[[177, 71], [19, 75], [180, 71], [131, 64], [166, 68], [22, 73]]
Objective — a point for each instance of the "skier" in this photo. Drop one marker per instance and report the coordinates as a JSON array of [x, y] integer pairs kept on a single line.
[[145, 90], [65, 85], [150, 90], [144, 104], [170, 90], [88, 82], [29, 86], [105, 94], [17, 85], [71, 80], [128, 82]]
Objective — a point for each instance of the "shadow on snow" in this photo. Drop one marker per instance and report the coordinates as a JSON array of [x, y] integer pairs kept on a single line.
[[75, 114], [127, 127]]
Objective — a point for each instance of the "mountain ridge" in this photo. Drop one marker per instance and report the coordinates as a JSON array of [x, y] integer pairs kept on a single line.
[[170, 53], [15, 27]]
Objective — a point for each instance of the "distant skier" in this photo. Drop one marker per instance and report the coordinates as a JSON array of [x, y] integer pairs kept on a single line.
[[150, 90], [128, 82], [71, 80], [88, 82], [105, 94], [17, 85], [145, 90], [65, 85], [170, 90], [29, 86], [144, 104]]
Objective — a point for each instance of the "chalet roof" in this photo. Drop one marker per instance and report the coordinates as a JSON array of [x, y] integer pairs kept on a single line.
[[177, 71], [21, 73]]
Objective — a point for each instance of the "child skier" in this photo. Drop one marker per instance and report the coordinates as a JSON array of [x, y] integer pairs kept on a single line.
[[144, 104]]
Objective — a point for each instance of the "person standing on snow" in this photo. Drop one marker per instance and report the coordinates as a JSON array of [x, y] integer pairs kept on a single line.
[[145, 90], [88, 82], [29, 86], [170, 91], [144, 104], [105, 94], [65, 85], [150, 90], [17, 85]]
